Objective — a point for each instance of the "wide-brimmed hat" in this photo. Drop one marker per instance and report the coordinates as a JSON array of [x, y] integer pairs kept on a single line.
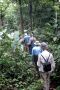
[[37, 43], [44, 45]]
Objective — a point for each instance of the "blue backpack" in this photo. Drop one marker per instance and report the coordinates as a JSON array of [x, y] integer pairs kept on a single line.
[[26, 39]]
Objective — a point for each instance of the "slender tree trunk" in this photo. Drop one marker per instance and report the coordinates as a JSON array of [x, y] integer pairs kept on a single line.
[[21, 17], [56, 21], [30, 13], [1, 19]]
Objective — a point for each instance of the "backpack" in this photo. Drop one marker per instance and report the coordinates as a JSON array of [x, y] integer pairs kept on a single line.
[[46, 65], [26, 40]]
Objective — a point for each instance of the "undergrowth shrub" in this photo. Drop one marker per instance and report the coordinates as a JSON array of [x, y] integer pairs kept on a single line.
[[16, 69]]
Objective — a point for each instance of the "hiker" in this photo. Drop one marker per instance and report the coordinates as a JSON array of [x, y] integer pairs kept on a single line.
[[21, 42], [35, 52], [26, 41], [46, 65], [31, 43]]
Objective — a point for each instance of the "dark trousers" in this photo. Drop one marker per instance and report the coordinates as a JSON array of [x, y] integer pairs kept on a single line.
[[30, 48], [35, 59]]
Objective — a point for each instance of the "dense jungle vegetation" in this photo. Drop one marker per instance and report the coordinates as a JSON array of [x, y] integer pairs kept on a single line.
[[42, 17]]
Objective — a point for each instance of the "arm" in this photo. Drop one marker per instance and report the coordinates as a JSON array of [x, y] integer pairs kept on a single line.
[[38, 62], [21, 40], [52, 63]]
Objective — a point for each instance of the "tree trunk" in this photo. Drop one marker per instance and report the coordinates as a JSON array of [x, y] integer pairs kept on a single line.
[[1, 19], [55, 23], [21, 17], [30, 13]]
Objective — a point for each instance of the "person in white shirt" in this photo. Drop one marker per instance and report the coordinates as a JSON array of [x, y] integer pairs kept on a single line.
[[44, 68]]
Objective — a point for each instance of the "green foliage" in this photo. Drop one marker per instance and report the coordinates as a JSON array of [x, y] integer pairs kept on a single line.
[[11, 17], [16, 69], [37, 85], [8, 13], [58, 88]]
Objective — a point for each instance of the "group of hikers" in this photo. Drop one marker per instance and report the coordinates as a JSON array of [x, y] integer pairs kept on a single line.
[[41, 57], [28, 41]]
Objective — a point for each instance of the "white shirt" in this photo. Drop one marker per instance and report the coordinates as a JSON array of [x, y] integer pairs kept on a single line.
[[41, 60]]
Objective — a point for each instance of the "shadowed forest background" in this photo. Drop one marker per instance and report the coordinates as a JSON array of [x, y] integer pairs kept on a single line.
[[40, 17]]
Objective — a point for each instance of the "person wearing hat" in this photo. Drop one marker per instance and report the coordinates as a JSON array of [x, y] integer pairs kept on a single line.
[[26, 41], [31, 43], [35, 52], [46, 65]]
